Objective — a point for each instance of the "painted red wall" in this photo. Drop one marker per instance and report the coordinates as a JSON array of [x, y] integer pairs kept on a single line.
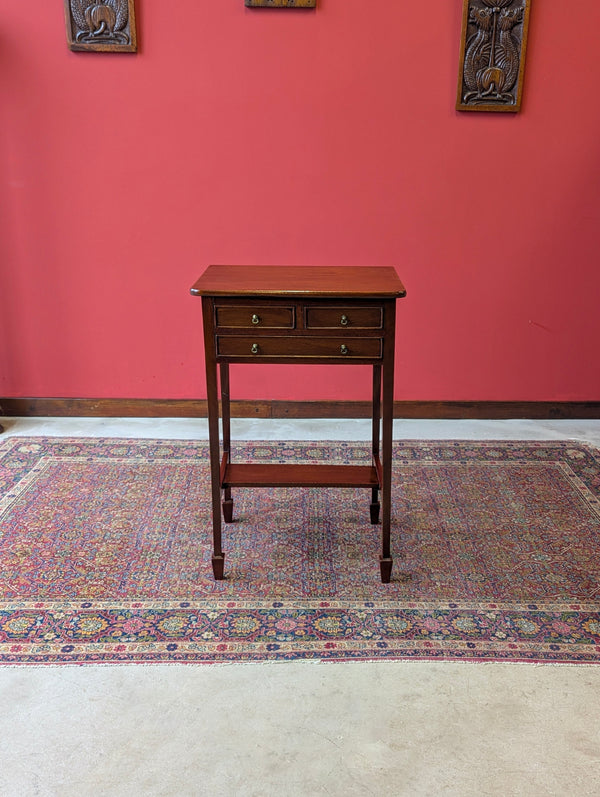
[[325, 137]]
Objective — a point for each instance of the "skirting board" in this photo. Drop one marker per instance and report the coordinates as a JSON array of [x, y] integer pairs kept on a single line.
[[188, 408]]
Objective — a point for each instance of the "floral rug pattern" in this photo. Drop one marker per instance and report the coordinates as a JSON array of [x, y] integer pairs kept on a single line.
[[105, 550]]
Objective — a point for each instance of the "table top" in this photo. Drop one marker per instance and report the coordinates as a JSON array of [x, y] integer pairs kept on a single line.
[[300, 281]]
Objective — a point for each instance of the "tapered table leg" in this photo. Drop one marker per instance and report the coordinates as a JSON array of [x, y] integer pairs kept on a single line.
[[218, 557], [376, 432], [386, 560], [226, 420]]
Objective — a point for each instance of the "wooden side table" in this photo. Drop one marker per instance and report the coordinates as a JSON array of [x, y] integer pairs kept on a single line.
[[305, 314]]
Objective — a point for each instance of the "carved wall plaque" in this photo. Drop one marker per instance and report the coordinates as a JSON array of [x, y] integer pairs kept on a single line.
[[281, 3], [492, 55], [101, 25]]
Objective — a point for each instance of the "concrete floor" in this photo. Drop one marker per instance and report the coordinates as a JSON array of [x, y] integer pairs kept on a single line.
[[301, 728]]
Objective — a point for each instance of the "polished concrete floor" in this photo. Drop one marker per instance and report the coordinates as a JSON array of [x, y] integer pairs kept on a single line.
[[301, 728]]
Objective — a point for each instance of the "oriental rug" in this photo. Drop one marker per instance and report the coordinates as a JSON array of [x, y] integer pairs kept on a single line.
[[105, 550]]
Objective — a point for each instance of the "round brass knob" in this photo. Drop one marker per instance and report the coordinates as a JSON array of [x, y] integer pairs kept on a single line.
[[254, 348], [255, 319], [344, 320], [343, 349]]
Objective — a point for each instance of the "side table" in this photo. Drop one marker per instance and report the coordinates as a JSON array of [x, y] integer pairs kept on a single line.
[[302, 314]]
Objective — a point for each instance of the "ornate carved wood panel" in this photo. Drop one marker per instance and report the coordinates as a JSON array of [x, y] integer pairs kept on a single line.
[[101, 25], [492, 55], [281, 3]]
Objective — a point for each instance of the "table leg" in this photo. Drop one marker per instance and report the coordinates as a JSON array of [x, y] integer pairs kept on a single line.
[[212, 396], [386, 560], [375, 506], [226, 419]]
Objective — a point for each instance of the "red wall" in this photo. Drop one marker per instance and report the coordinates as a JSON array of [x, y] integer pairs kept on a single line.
[[327, 137]]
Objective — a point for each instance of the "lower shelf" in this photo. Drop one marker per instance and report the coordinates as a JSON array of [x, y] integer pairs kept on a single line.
[[275, 475]]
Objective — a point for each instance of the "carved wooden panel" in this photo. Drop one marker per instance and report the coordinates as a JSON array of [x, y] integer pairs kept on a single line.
[[101, 25], [281, 3], [492, 55]]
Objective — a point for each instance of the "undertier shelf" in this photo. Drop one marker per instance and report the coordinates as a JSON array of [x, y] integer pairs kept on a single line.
[[276, 475]]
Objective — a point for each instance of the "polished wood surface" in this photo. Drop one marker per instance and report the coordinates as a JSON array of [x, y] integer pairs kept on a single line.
[[332, 316], [342, 281]]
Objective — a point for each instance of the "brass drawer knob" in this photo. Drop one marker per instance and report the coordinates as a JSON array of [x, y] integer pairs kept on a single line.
[[344, 320], [255, 319], [254, 348], [343, 349]]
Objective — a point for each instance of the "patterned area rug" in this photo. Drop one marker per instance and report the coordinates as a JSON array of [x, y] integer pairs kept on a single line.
[[106, 545]]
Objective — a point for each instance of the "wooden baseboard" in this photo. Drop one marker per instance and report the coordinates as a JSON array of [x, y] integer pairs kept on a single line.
[[188, 408]]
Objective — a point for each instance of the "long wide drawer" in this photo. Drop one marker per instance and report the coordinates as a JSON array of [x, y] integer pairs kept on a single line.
[[342, 348]]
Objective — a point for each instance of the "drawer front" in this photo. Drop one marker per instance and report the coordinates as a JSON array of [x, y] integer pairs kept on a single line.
[[318, 317], [237, 317], [338, 348]]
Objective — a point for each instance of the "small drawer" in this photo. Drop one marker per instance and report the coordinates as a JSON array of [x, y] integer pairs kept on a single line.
[[343, 317], [317, 348], [237, 317]]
